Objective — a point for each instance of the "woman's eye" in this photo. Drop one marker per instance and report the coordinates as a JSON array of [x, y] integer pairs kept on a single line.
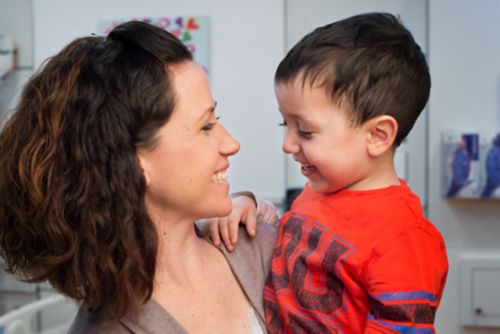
[[282, 123], [210, 126]]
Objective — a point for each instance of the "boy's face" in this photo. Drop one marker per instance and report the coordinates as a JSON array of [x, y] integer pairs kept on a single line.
[[319, 135]]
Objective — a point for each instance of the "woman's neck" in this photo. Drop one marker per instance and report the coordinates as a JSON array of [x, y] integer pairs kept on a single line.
[[195, 284], [182, 254]]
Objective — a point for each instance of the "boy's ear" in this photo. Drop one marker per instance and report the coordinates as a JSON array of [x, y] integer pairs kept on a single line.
[[143, 165], [382, 131]]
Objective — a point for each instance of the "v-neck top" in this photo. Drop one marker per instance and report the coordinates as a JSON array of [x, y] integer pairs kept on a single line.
[[249, 261]]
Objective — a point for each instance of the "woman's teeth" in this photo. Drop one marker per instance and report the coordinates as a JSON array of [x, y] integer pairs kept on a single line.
[[219, 177]]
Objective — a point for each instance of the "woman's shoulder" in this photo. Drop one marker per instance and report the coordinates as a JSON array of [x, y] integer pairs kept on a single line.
[[151, 319], [251, 261], [252, 254], [251, 257], [86, 322], [262, 243]]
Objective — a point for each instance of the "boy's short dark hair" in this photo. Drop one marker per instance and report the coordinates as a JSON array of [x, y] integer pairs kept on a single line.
[[370, 63]]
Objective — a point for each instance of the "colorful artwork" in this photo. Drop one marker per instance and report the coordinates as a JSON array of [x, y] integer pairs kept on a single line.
[[193, 31]]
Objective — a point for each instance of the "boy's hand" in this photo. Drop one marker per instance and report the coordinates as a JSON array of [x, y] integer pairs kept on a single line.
[[246, 210]]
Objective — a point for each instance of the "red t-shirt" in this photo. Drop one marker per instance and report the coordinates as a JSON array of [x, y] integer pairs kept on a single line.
[[356, 262]]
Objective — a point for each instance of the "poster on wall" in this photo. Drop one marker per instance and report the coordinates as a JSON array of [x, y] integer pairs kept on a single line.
[[193, 31], [471, 164]]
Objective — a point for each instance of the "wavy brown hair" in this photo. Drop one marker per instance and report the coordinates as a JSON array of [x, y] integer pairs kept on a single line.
[[72, 209]]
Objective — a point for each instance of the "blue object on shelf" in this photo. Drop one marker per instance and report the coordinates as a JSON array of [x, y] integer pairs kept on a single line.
[[464, 167], [460, 169], [492, 168]]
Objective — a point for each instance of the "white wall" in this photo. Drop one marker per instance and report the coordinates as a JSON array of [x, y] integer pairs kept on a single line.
[[465, 66], [246, 44], [20, 30], [16, 21]]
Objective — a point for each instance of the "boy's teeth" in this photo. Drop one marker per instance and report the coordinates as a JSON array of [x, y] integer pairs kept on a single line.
[[309, 167], [220, 176]]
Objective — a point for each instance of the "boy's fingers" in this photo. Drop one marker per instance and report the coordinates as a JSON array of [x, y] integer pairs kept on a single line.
[[267, 212], [214, 231], [233, 223], [272, 217], [264, 218], [251, 223], [224, 233]]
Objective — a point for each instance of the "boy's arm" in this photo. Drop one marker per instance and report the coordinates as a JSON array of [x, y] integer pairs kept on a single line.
[[247, 210], [405, 283]]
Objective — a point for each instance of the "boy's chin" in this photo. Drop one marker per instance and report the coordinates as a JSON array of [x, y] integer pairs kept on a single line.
[[323, 188]]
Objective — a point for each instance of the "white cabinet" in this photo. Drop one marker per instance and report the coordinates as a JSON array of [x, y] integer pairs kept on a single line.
[[480, 291], [486, 291]]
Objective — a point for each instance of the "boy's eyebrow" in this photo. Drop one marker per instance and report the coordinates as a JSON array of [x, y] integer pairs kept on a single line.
[[294, 115]]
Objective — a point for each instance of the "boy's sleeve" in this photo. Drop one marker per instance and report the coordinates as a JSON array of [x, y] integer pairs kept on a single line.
[[405, 282]]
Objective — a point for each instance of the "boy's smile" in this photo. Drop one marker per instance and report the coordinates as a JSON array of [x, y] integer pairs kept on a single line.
[[319, 134], [307, 170]]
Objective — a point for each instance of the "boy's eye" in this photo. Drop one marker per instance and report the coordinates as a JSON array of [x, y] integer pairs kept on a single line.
[[305, 134], [282, 123], [210, 126]]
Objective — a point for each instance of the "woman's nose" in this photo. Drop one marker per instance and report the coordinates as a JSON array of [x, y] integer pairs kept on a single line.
[[229, 145]]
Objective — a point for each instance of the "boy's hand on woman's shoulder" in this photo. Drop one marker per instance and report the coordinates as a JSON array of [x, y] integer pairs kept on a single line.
[[247, 210]]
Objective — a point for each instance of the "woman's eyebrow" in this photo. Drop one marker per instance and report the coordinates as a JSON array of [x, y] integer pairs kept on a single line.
[[208, 111]]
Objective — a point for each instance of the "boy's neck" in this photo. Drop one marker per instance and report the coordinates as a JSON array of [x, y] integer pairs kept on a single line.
[[382, 175]]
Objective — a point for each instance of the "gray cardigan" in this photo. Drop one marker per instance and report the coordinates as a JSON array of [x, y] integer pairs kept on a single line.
[[250, 262]]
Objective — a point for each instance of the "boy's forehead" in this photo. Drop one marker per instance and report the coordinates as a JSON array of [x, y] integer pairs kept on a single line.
[[301, 99], [300, 87]]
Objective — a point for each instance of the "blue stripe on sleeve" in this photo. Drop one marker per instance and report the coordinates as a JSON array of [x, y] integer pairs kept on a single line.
[[408, 295]]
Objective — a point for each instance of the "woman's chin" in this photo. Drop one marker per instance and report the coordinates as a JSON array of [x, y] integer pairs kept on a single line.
[[225, 210]]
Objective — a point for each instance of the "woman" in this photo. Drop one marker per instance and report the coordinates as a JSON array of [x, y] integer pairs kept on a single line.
[[112, 154]]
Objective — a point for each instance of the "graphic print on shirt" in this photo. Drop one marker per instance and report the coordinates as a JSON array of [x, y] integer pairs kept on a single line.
[[302, 261]]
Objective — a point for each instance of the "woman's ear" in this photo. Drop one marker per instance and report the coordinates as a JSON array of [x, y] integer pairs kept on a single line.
[[143, 165], [382, 133]]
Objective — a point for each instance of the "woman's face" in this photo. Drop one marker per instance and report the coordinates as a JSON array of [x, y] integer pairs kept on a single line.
[[186, 169]]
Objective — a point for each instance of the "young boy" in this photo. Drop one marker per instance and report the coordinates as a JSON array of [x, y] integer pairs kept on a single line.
[[354, 254]]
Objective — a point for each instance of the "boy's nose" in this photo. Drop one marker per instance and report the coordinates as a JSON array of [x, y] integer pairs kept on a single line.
[[289, 145]]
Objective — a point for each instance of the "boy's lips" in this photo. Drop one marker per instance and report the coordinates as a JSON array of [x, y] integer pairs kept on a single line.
[[307, 170]]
